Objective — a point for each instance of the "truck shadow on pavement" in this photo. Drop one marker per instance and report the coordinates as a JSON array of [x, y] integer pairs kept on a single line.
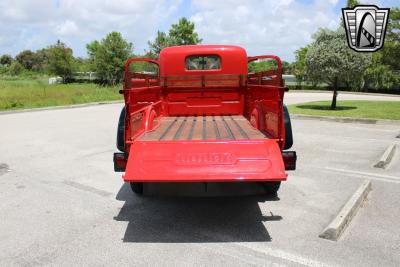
[[160, 219]]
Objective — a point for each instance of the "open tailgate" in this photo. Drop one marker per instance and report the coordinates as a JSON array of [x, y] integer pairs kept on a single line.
[[205, 161]]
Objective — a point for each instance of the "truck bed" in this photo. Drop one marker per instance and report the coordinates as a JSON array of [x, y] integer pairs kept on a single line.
[[204, 149], [203, 128]]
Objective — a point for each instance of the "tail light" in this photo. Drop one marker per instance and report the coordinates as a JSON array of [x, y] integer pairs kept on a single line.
[[120, 160], [289, 158]]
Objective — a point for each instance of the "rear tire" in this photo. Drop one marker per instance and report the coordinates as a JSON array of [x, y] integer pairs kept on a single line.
[[137, 187], [288, 129], [121, 131], [271, 188]]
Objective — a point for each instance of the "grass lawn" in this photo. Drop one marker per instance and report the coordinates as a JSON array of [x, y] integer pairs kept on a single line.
[[25, 93], [356, 109]]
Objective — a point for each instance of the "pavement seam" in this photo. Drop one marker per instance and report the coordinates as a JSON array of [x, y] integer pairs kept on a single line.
[[346, 119], [87, 188], [60, 107]]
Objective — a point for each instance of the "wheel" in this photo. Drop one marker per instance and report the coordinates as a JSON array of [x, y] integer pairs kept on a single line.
[[288, 129], [137, 187], [121, 131], [271, 188]]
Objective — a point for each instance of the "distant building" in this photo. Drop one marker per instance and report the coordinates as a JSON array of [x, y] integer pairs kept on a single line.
[[81, 76], [289, 79], [55, 80]]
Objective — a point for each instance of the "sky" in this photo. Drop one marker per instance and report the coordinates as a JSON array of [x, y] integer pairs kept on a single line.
[[260, 26]]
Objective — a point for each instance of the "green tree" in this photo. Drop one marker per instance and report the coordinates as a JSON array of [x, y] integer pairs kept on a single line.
[[36, 61], [83, 65], [26, 59], [61, 60], [6, 60], [92, 51], [182, 33], [391, 50], [262, 65], [41, 60], [352, 3], [393, 29], [287, 67], [381, 75], [299, 68], [330, 60], [108, 57], [162, 41], [16, 68]]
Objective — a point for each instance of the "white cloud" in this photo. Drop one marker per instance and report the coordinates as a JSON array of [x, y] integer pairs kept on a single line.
[[19, 11], [40, 23], [67, 28], [263, 27]]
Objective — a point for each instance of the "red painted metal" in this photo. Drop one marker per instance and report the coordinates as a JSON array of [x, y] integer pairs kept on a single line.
[[274, 75], [201, 161], [172, 59], [229, 90]]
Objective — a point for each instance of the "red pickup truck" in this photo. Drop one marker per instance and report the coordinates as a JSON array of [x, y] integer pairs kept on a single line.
[[201, 116]]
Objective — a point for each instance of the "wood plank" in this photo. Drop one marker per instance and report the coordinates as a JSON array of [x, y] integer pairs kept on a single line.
[[182, 125], [235, 131], [224, 133], [197, 133], [250, 131], [173, 128], [187, 128], [203, 128], [156, 133], [210, 133]]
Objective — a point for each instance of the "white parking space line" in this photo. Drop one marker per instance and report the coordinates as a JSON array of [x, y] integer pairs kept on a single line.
[[277, 253], [374, 176], [261, 256]]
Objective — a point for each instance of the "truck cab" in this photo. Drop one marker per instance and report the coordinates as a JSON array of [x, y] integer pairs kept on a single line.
[[204, 113]]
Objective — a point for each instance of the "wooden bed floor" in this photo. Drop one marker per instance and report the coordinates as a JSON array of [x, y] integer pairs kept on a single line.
[[203, 128]]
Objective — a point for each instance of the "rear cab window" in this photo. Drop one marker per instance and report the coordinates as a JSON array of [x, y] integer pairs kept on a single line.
[[203, 62]]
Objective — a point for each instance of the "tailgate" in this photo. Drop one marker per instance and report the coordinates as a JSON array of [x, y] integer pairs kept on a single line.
[[205, 161]]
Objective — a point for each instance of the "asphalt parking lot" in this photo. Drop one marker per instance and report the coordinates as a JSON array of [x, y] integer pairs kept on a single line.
[[62, 204]]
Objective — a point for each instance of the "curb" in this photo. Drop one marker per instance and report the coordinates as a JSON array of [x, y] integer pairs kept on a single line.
[[346, 214], [60, 107], [346, 119], [386, 157], [342, 92]]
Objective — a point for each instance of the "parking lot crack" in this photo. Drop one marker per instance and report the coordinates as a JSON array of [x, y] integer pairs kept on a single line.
[[87, 188], [4, 168]]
